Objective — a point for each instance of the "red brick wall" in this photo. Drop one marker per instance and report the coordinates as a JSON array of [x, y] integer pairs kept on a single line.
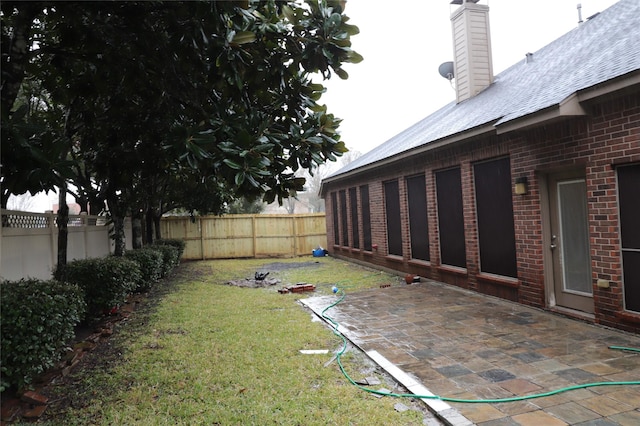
[[609, 135]]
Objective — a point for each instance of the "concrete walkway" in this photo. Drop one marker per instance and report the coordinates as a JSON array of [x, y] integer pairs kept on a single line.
[[439, 339]]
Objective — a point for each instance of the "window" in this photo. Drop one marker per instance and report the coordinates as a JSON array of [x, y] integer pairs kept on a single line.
[[366, 217], [336, 218], [496, 234], [343, 218], [451, 218], [355, 229], [629, 205], [418, 229], [394, 227]]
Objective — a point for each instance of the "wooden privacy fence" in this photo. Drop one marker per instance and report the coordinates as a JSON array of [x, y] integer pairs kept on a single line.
[[246, 236]]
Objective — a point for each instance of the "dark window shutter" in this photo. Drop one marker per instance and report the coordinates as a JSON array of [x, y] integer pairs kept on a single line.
[[336, 218], [355, 228], [366, 217], [418, 225], [394, 227], [494, 206], [451, 218], [343, 218]]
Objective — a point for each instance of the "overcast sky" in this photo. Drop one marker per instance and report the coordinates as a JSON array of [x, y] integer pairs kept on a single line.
[[405, 41]]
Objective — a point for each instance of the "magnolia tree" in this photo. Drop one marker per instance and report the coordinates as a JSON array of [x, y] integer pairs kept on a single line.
[[161, 105]]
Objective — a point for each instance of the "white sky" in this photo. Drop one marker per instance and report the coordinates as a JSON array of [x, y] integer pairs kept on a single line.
[[405, 41]]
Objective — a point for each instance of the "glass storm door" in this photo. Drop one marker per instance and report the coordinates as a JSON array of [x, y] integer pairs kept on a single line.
[[570, 243]]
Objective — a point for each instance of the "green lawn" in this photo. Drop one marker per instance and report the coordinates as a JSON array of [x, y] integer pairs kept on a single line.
[[210, 353]]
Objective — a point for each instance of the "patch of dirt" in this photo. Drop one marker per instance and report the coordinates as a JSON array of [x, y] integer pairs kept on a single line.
[[281, 266], [253, 283], [261, 280]]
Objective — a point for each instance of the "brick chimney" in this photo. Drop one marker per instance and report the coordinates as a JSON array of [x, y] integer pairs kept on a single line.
[[473, 66]]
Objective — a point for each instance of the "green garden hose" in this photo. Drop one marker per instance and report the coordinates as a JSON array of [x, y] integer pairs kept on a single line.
[[622, 348], [447, 399]]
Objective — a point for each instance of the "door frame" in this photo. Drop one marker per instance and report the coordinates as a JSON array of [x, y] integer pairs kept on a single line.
[[543, 177]]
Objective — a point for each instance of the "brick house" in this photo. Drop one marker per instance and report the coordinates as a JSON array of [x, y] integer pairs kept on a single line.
[[527, 187]]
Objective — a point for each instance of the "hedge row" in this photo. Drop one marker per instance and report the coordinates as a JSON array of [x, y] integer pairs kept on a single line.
[[38, 317]]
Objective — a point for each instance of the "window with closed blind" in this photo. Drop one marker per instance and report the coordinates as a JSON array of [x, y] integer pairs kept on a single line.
[[336, 218], [494, 209], [343, 218], [418, 225], [355, 229], [629, 208], [366, 217], [451, 217], [392, 208]]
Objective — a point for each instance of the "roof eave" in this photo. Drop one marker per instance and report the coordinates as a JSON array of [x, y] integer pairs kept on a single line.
[[600, 90], [569, 107], [572, 105], [458, 137]]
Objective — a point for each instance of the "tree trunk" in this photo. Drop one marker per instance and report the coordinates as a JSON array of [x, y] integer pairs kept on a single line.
[[136, 230], [118, 235], [62, 221], [5, 199], [117, 216], [83, 202], [156, 225], [290, 205], [149, 225], [96, 205]]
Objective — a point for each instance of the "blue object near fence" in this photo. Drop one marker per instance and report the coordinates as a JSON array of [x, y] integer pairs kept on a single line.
[[319, 252]]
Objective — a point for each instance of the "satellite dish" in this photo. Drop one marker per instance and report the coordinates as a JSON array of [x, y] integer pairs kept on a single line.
[[446, 70]]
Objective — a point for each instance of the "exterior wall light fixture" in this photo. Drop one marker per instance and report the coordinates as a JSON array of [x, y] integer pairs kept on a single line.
[[521, 185]]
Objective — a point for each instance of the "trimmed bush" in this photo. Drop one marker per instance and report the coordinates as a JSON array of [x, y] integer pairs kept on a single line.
[[151, 264], [179, 244], [38, 320], [106, 281], [170, 256]]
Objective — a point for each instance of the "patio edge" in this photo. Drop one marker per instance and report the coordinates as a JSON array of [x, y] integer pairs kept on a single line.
[[443, 411]]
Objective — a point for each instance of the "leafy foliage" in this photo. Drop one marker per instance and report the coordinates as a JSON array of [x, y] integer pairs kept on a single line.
[[106, 282], [38, 320], [151, 265], [245, 206], [173, 104], [170, 256], [179, 244]]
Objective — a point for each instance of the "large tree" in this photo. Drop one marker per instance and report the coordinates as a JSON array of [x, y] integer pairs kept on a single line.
[[213, 95]]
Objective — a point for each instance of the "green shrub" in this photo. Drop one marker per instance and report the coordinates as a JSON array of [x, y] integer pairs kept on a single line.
[[106, 281], [38, 320], [170, 256], [179, 244], [151, 264]]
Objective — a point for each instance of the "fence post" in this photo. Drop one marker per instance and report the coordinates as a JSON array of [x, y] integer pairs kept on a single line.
[[201, 228], [253, 235], [84, 220], [52, 232], [295, 236]]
